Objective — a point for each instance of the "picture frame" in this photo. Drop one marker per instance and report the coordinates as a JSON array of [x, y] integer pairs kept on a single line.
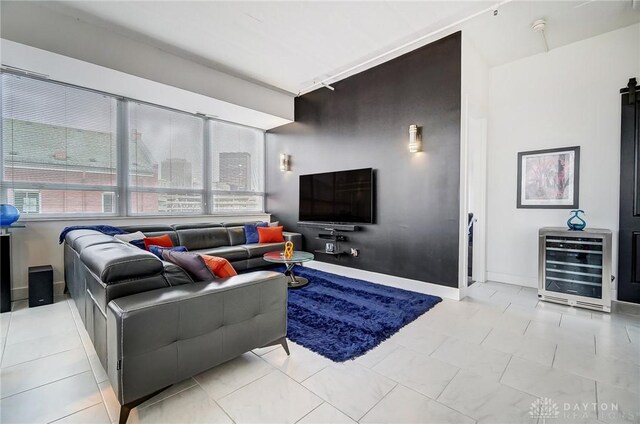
[[549, 179]]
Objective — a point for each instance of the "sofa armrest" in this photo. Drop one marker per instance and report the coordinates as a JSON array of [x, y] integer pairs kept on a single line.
[[160, 337], [295, 238]]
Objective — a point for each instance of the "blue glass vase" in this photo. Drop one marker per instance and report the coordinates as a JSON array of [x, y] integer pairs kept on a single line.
[[576, 225], [8, 214]]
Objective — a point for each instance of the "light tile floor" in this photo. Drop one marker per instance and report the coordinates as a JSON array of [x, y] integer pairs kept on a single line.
[[485, 359]]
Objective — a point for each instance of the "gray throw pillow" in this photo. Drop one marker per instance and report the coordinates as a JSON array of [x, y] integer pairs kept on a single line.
[[190, 262]]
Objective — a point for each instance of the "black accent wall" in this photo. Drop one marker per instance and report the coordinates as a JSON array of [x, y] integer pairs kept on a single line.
[[365, 123]]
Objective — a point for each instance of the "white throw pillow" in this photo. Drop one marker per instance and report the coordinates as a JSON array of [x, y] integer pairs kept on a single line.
[[138, 235], [274, 224]]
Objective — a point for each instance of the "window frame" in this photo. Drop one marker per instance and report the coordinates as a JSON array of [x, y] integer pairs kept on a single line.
[[27, 192], [123, 191], [113, 196], [209, 164]]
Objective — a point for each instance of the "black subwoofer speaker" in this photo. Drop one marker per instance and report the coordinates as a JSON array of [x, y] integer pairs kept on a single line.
[[40, 285]]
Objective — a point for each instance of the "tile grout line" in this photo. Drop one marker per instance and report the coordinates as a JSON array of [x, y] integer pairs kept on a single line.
[[554, 355], [209, 396], [527, 327], [447, 385], [505, 370], [323, 402], [45, 384], [6, 338], [42, 357], [176, 393], [78, 411], [376, 404], [436, 401], [595, 383], [317, 372], [485, 337], [245, 385]]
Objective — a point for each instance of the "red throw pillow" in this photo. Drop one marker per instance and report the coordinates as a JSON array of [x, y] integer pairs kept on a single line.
[[162, 241], [220, 267], [270, 235]]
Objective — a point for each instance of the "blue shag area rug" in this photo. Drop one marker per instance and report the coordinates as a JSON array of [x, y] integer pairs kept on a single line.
[[342, 318]]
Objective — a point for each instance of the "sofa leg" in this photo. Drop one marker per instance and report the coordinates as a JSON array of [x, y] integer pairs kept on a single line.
[[285, 346], [127, 407]]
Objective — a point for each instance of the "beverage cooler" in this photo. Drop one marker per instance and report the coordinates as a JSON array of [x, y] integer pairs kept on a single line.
[[574, 267]]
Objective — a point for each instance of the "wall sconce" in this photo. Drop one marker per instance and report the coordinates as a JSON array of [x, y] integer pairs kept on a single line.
[[415, 142], [284, 162]]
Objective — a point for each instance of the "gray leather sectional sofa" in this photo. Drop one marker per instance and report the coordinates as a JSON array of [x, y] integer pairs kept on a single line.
[[152, 325]]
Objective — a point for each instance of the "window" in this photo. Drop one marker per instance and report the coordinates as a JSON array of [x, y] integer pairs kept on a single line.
[[27, 201], [166, 161], [59, 139], [108, 203], [237, 168], [72, 151]]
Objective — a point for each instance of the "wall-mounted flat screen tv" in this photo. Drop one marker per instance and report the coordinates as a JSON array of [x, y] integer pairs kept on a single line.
[[337, 197]]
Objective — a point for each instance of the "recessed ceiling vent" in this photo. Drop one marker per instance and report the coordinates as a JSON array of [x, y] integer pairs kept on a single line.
[[539, 26]]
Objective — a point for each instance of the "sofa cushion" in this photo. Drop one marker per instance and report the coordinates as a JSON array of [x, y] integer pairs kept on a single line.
[[154, 230], [162, 241], [220, 267], [270, 235], [195, 225], [232, 253], [236, 235], [157, 250], [251, 232], [138, 235], [259, 249], [175, 275], [74, 235], [203, 238], [118, 261], [81, 243], [190, 262]]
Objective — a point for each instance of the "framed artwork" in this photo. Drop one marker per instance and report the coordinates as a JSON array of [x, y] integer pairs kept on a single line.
[[549, 179]]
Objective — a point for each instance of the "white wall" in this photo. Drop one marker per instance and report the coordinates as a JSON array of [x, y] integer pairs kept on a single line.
[[37, 26], [37, 244], [568, 96], [475, 74]]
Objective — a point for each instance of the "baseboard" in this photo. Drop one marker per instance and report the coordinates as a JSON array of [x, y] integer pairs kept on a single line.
[[21, 293], [622, 307], [388, 280], [518, 280]]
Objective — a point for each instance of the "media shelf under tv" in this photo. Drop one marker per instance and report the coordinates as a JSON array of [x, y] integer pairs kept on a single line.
[[330, 253]]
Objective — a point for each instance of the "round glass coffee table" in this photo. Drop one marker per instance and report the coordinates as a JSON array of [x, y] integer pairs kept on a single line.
[[295, 259]]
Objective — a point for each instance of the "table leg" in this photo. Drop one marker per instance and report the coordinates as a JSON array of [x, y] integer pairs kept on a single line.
[[296, 282]]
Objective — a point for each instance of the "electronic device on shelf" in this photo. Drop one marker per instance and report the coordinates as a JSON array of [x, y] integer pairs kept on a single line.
[[574, 267]]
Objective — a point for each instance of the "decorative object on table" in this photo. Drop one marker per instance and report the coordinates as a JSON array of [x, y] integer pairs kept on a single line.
[[329, 247], [572, 224], [343, 318], [549, 179], [8, 214], [288, 249]]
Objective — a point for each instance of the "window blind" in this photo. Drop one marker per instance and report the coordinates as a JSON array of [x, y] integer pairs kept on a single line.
[[166, 161], [59, 149], [237, 167]]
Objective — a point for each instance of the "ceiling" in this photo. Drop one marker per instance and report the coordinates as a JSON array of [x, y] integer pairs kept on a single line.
[[293, 45]]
